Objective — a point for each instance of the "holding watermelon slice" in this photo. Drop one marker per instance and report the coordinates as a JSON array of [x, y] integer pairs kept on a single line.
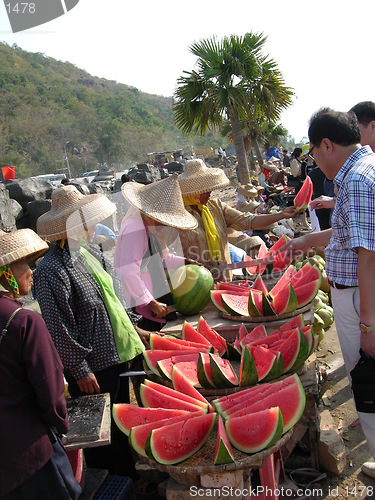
[[303, 198]]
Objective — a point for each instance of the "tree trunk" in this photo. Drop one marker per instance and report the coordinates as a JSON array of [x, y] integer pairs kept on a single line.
[[239, 145], [258, 153]]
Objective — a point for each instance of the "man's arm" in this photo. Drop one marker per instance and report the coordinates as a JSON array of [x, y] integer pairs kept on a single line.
[[299, 246], [366, 280]]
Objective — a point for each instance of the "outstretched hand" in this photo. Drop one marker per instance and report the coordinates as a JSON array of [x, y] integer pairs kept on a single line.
[[322, 202], [294, 248], [290, 212]]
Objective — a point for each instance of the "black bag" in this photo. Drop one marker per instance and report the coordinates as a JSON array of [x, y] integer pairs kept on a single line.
[[363, 384]]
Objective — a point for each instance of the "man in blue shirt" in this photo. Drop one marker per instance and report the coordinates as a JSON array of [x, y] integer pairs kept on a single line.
[[350, 244]]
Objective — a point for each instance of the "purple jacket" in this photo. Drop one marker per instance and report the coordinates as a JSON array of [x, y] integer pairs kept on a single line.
[[31, 395]]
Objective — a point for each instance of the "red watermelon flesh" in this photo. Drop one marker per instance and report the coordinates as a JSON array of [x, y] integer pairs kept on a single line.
[[283, 281], [291, 401], [174, 443], [189, 333], [264, 360], [175, 394], [222, 372], [216, 300], [154, 398], [138, 434], [303, 198], [183, 384], [310, 274], [299, 274], [169, 343], [267, 341], [216, 340], [242, 332], [297, 321], [251, 394], [165, 367], [256, 431], [239, 288], [236, 305], [259, 285], [223, 450], [127, 415], [152, 357], [279, 243], [294, 350], [263, 253], [282, 261], [285, 300], [257, 333], [306, 293]]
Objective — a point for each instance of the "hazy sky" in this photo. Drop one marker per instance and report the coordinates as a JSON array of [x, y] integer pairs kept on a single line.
[[324, 48]]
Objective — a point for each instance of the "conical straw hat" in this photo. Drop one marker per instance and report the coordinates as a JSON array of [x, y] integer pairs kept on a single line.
[[161, 201], [20, 244], [197, 178], [72, 212], [248, 190]]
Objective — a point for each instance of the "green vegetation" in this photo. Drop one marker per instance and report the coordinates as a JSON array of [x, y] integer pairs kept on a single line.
[[234, 83], [44, 103]]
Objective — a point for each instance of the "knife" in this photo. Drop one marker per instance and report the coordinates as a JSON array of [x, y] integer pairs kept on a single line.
[[136, 373], [247, 263]]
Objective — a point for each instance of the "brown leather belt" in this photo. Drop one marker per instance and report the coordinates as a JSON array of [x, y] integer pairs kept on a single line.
[[338, 286]]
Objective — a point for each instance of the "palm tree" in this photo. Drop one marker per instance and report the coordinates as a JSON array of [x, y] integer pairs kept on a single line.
[[233, 81]]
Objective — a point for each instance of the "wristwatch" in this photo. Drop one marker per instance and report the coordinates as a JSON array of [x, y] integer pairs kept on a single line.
[[366, 329]]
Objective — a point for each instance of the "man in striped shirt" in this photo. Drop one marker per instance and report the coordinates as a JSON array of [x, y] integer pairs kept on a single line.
[[350, 243]]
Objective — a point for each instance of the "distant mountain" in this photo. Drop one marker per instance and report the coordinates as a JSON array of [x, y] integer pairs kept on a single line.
[[47, 106]]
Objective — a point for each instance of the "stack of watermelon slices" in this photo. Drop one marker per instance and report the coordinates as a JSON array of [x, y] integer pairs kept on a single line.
[[255, 419], [294, 290], [280, 263]]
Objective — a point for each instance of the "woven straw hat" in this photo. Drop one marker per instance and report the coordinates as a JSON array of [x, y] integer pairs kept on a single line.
[[260, 189], [161, 201], [268, 165], [250, 206], [248, 190], [20, 244], [197, 178], [72, 212]]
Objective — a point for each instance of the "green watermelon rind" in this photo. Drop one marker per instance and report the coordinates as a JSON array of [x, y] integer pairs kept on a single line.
[[220, 380], [267, 308], [267, 441], [201, 373], [231, 308], [253, 311], [198, 296], [248, 369], [223, 451], [150, 446], [303, 351]]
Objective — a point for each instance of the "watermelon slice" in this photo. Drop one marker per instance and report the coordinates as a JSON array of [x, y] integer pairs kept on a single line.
[[154, 398], [269, 340], [306, 293], [279, 243], [255, 431], [174, 443], [189, 368], [189, 333], [248, 369], [242, 332], [235, 287], [234, 350], [252, 394], [257, 333], [127, 415], [171, 343], [204, 371], [291, 401], [267, 307], [255, 304], [216, 340], [222, 372], [282, 261], [303, 198], [264, 361], [236, 305], [165, 365], [162, 389], [311, 274], [182, 383], [294, 350], [138, 434], [223, 450], [216, 297], [297, 321], [285, 300], [259, 285], [152, 357], [283, 281]]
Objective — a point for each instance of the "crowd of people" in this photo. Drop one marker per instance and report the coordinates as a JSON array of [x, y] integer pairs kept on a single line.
[[96, 317]]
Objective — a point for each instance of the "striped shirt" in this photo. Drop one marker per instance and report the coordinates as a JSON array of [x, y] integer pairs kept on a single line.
[[353, 219]]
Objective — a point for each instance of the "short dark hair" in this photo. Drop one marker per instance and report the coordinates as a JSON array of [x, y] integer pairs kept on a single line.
[[297, 152], [125, 178], [364, 111], [339, 127]]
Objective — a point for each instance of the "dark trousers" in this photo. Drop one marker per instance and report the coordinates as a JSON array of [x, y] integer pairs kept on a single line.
[[117, 457]]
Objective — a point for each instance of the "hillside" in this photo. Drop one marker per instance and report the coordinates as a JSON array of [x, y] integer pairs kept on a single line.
[[47, 104]]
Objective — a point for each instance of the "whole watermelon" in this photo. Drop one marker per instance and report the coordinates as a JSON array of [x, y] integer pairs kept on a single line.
[[190, 287]]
